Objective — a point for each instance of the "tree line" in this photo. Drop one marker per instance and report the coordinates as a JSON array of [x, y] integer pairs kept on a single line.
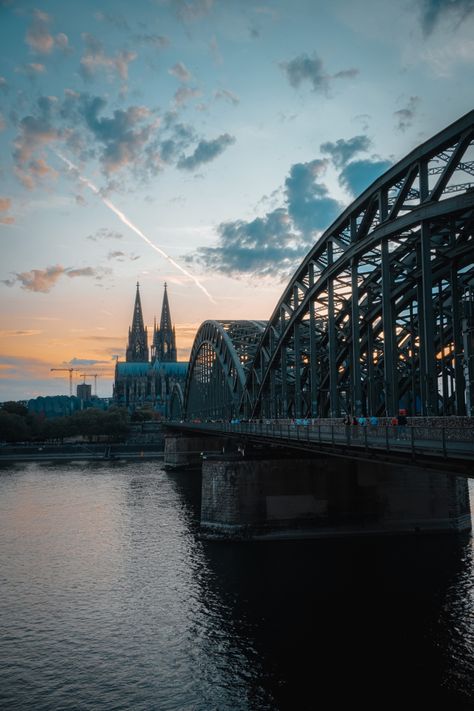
[[17, 424]]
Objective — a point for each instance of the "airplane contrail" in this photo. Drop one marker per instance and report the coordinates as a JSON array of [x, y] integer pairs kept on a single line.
[[130, 224]]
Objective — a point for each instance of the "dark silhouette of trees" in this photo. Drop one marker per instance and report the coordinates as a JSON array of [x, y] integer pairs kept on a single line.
[[17, 425], [13, 428]]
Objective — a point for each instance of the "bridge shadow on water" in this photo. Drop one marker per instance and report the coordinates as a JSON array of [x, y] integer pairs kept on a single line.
[[381, 621]]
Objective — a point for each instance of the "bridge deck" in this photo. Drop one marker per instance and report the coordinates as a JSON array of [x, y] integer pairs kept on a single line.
[[437, 447]]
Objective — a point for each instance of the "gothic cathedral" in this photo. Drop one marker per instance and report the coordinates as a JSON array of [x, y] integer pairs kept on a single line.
[[144, 383]]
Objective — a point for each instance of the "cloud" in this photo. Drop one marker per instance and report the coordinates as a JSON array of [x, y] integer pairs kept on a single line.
[[134, 138], [35, 132], [363, 119], [18, 366], [31, 70], [62, 42], [115, 19], [95, 58], [433, 11], [104, 233], [39, 168], [180, 71], [227, 96], [85, 271], [28, 332], [254, 31], [264, 246], [4, 85], [152, 40], [215, 52], [205, 152], [123, 135], [117, 254], [192, 10], [342, 151], [181, 136], [311, 69], [39, 38], [43, 280], [185, 93], [86, 361], [276, 243], [358, 175], [406, 115], [309, 204], [346, 74], [5, 205]]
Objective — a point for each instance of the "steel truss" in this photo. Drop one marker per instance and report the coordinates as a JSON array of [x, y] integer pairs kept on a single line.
[[220, 357], [176, 406], [380, 313]]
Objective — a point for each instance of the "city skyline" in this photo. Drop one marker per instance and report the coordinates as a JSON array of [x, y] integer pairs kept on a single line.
[[205, 144]]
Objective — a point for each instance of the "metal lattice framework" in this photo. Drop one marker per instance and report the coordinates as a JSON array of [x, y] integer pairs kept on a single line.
[[176, 402], [379, 315], [380, 312], [218, 367]]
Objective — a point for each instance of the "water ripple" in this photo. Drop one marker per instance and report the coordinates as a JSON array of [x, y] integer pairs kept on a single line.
[[110, 601]]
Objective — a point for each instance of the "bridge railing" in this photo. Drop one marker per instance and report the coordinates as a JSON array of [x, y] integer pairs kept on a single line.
[[437, 441]]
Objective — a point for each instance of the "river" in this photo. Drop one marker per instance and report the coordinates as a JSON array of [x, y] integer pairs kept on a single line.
[[110, 600]]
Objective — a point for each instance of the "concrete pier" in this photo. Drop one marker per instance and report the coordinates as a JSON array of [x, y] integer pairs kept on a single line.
[[257, 498], [186, 452]]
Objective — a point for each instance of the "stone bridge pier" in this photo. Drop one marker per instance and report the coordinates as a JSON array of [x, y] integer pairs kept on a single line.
[[185, 452], [255, 497]]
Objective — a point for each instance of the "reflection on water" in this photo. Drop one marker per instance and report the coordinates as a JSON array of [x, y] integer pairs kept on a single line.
[[109, 600]]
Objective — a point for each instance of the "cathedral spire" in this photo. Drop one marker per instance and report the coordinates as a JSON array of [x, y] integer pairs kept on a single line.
[[165, 321], [137, 349], [164, 338]]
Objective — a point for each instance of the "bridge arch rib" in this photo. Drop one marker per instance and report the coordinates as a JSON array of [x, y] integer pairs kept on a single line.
[[220, 357], [176, 402], [380, 314]]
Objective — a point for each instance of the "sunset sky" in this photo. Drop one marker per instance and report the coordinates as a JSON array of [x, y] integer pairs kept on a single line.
[[229, 133]]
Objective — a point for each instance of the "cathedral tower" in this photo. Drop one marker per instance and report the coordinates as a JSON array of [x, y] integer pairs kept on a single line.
[[137, 349], [163, 349]]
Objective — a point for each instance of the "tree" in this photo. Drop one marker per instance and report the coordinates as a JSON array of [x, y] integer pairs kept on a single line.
[[116, 423], [15, 408], [13, 428], [58, 428]]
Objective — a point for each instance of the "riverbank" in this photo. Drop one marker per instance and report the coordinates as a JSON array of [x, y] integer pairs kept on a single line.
[[80, 452]]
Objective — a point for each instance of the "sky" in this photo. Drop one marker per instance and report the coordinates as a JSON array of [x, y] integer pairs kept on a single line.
[[202, 143]]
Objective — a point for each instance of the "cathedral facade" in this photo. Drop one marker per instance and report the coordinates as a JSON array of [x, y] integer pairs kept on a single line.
[[142, 382]]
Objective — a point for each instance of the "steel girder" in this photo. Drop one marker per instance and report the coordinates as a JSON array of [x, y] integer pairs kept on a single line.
[[380, 313], [176, 402], [221, 354]]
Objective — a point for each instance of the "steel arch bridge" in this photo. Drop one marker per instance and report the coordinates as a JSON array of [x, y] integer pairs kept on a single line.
[[220, 358], [380, 314]]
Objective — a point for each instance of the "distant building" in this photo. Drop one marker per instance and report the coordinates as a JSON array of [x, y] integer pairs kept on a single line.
[[84, 392], [62, 405], [143, 383]]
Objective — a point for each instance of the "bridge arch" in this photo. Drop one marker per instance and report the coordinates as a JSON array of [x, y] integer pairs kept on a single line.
[[220, 357], [381, 311], [176, 402]]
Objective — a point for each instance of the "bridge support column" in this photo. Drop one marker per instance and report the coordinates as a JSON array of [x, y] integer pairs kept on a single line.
[[185, 452], [324, 497]]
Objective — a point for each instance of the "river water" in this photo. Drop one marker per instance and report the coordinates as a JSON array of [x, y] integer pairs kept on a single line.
[[109, 600]]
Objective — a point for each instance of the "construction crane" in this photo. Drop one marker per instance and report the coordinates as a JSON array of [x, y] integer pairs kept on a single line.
[[92, 375], [70, 371]]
